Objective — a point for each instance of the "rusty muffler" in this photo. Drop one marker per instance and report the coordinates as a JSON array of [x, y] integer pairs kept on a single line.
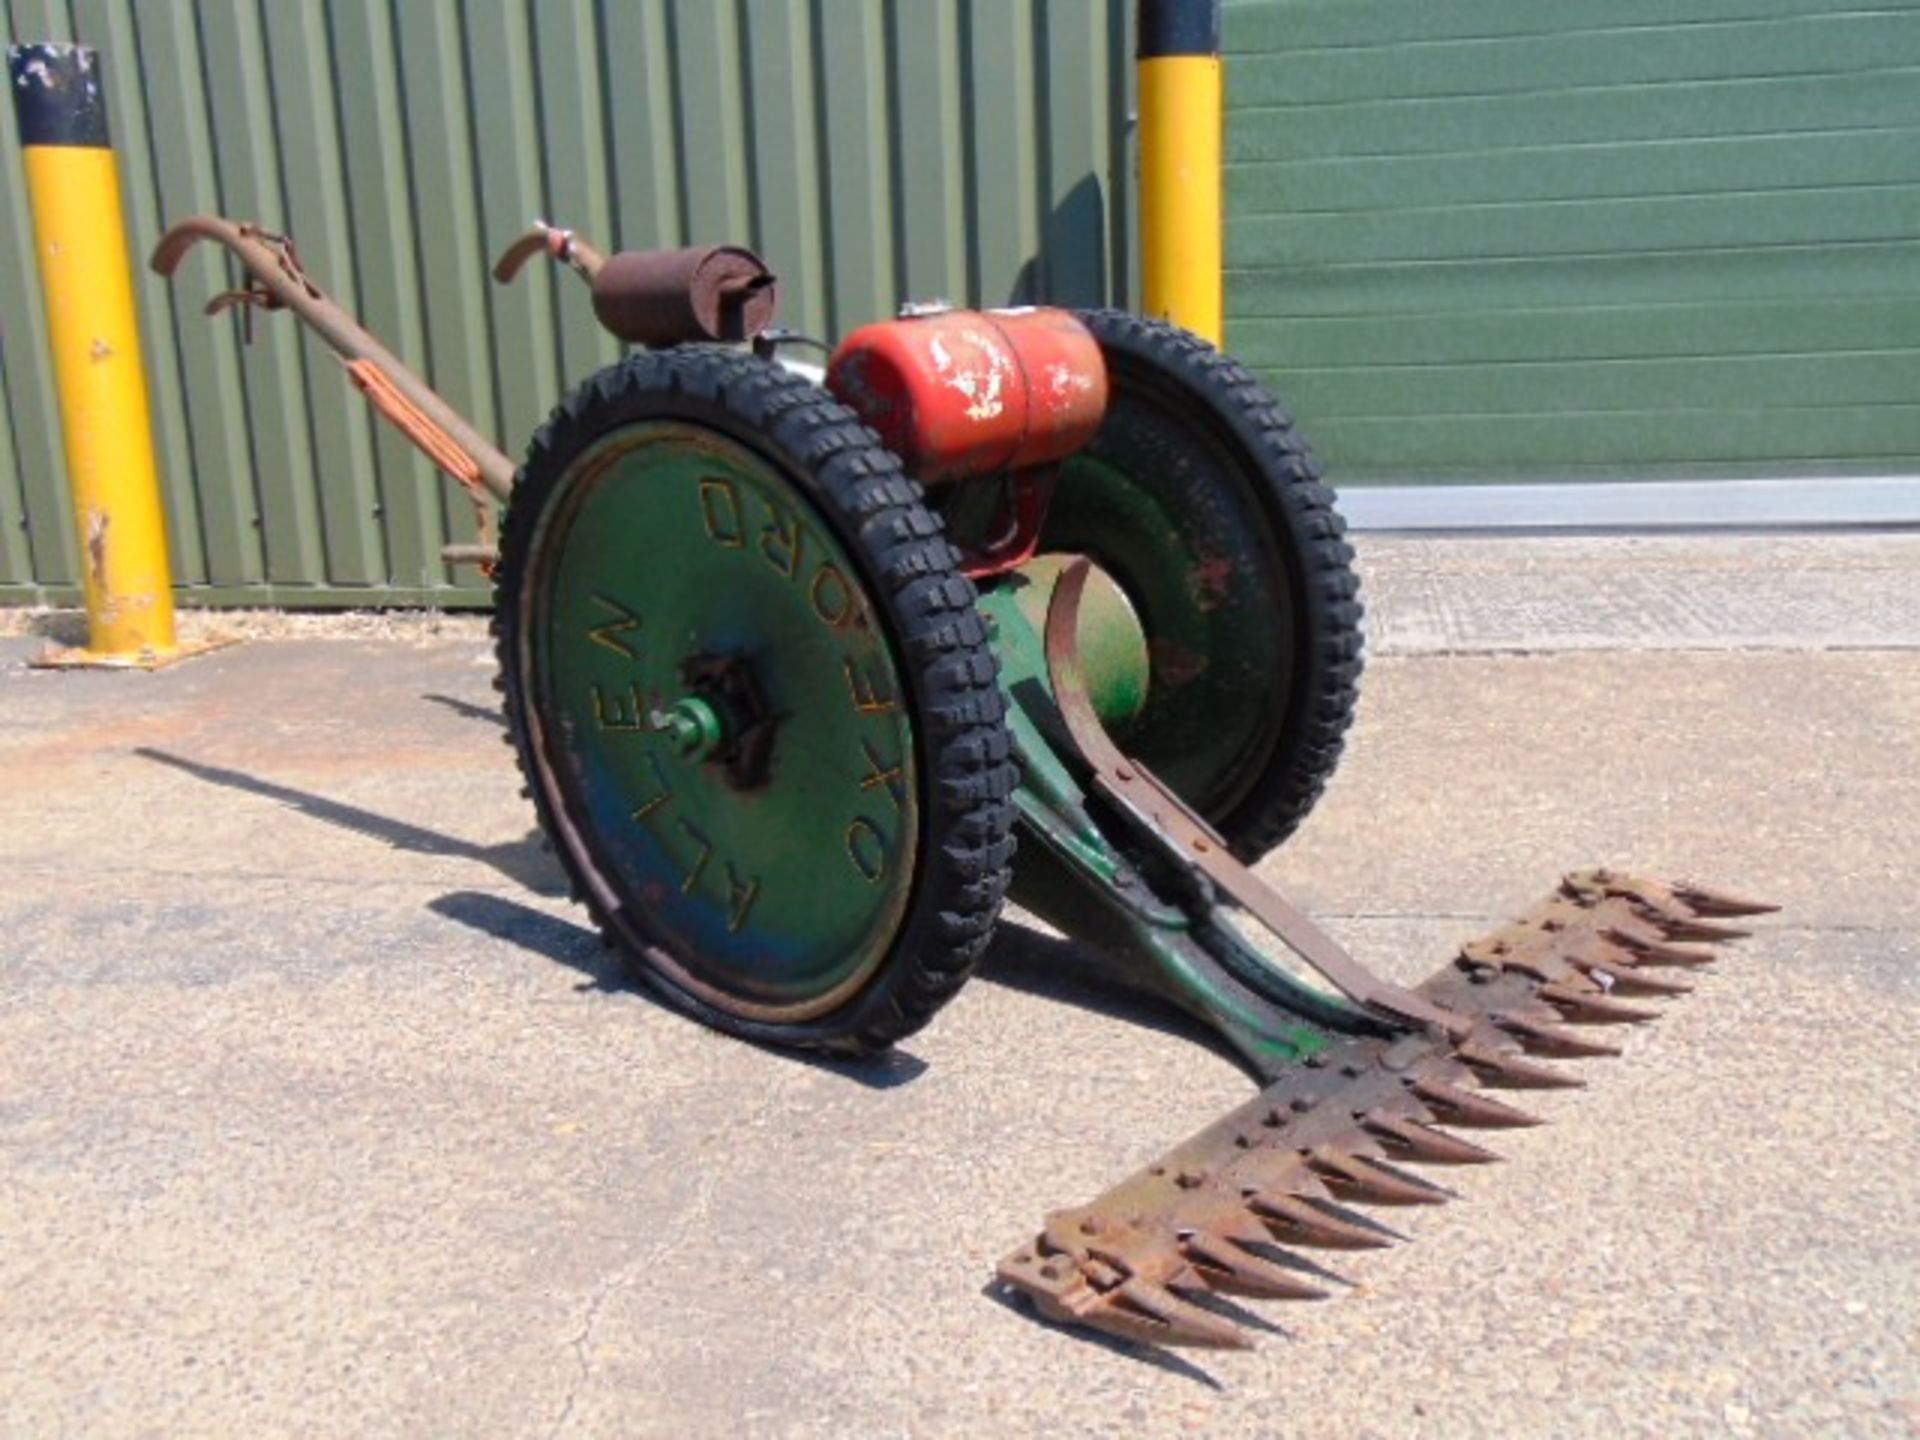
[[722, 293]]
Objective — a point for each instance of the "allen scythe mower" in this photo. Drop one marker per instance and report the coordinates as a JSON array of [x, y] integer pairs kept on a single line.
[[788, 663]]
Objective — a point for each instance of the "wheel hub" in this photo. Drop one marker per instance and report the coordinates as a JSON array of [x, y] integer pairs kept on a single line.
[[692, 725], [725, 718]]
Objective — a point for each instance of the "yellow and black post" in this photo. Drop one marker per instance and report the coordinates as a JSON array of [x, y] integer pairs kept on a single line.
[[1181, 247], [80, 243]]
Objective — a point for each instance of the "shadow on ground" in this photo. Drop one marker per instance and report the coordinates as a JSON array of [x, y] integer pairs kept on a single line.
[[1036, 962], [467, 710], [530, 864], [67, 628], [1022, 958], [582, 948], [525, 862]]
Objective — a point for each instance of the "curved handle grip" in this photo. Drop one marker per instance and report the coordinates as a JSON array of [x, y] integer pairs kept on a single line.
[[562, 246], [181, 238]]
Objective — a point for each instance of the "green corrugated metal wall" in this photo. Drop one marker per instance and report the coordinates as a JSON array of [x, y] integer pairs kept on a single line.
[[1481, 239], [872, 149], [1467, 239]]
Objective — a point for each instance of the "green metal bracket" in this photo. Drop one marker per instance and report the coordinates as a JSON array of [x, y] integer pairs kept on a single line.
[[1162, 929]]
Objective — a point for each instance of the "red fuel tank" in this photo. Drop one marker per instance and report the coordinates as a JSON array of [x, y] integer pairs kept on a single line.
[[956, 393]]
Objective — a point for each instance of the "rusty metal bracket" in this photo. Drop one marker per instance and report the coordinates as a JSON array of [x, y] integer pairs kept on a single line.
[[1187, 838], [1025, 496]]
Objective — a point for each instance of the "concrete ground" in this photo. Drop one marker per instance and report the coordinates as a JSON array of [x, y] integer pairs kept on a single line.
[[321, 1112]]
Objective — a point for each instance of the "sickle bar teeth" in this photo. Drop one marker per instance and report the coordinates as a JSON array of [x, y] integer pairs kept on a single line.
[[1213, 1216]]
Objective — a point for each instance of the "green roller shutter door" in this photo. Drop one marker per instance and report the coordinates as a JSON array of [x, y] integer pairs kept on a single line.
[[1480, 240]]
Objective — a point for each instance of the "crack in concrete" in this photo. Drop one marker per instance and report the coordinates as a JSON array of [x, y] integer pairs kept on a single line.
[[699, 1208], [582, 1355]]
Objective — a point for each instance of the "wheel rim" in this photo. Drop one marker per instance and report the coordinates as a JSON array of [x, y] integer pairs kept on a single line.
[[1199, 562], [671, 562]]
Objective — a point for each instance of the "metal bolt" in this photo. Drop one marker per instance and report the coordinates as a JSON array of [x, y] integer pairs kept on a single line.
[[692, 725]]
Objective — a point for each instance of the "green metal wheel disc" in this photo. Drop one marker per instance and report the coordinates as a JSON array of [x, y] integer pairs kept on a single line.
[[1200, 563], [723, 716], [1198, 497]]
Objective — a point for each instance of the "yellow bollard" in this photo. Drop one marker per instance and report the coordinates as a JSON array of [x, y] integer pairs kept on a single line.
[[1181, 245], [80, 243]]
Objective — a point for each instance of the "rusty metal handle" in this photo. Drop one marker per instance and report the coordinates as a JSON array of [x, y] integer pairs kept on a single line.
[[282, 282], [562, 246]]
